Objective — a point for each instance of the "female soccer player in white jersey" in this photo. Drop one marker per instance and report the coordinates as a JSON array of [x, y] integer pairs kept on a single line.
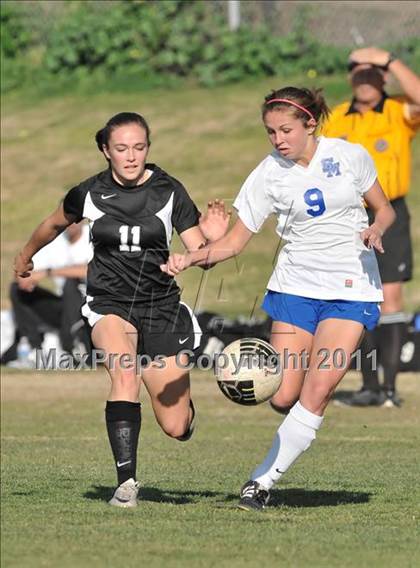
[[132, 307], [325, 288]]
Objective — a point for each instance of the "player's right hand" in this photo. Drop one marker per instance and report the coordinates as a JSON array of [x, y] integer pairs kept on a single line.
[[23, 266], [176, 264], [26, 284]]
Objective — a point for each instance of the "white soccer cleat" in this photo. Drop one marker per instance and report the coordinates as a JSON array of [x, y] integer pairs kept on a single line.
[[126, 494]]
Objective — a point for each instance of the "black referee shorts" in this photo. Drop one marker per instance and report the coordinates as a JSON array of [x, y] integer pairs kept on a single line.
[[396, 263], [164, 329]]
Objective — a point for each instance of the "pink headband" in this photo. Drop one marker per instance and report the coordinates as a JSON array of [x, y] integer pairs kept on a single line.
[[293, 104]]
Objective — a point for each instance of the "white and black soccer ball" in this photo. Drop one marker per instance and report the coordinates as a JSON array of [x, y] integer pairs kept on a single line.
[[248, 371]]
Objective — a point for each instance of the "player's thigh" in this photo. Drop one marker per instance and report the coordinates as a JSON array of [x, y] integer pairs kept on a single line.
[[334, 343], [118, 339], [294, 345], [168, 384]]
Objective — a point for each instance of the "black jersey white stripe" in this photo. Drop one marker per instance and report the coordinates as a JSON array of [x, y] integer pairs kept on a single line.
[[131, 231]]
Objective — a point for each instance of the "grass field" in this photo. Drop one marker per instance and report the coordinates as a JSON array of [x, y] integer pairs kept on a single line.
[[353, 500]]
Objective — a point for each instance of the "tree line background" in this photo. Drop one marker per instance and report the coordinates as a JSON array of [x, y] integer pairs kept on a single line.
[[51, 45]]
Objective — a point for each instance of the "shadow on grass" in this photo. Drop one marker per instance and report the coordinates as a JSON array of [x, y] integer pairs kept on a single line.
[[156, 495], [305, 498], [279, 497]]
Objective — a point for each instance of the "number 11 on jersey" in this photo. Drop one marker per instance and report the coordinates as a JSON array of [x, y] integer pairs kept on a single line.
[[135, 238]]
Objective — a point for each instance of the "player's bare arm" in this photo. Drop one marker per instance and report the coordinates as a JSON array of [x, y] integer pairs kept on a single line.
[[227, 247], [46, 232], [384, 217]]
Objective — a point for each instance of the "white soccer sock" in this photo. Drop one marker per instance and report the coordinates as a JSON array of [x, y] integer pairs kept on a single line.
[[295, 435]]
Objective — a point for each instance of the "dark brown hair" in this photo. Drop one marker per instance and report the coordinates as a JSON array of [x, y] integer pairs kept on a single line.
[[120, 119], [311, 100]]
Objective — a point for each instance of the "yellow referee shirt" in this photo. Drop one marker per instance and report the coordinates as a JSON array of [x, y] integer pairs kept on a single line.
[[386, 133]]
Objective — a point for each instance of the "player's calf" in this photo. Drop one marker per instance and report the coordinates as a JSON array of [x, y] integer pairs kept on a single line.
[[280, 409]]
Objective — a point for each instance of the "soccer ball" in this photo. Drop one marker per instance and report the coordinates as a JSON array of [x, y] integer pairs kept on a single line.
[[248, 371]]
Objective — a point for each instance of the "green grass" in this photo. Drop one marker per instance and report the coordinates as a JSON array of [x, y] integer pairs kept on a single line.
[[352, 500]]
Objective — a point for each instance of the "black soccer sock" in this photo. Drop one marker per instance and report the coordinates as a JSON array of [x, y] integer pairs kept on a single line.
[[368, 363], [123, 421], [391, 332]]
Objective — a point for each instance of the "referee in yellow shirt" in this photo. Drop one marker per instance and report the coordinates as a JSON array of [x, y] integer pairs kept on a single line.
[[385, 126]]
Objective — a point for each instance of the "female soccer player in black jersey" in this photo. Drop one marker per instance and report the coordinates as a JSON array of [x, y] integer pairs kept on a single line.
[[131, 305]]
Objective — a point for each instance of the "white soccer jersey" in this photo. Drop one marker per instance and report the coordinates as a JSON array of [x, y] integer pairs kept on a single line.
[[320, 216]]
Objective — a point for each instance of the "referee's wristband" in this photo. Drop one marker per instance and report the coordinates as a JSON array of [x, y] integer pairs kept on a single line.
[[390, 60]]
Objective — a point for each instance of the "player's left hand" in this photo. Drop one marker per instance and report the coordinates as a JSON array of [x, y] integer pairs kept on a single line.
[[372, 238], [215, 222]]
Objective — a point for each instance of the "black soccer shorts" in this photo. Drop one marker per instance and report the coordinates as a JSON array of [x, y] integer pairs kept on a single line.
[[396, 263], [164, 329]]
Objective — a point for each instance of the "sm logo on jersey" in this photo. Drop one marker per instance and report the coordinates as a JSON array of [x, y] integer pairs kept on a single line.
[[330, 167]]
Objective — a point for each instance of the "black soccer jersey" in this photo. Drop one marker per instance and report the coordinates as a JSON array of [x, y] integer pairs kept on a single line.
[[131, 231]]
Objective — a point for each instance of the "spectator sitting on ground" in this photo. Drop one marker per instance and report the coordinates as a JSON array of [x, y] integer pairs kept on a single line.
[[37, 310]]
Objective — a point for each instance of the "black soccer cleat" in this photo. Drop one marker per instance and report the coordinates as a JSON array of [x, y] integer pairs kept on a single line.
[[390, 399], [253, 496], [187, 435], [365, 397]]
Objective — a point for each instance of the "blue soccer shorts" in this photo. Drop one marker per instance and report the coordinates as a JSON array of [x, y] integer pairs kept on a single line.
[[307, 313]]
